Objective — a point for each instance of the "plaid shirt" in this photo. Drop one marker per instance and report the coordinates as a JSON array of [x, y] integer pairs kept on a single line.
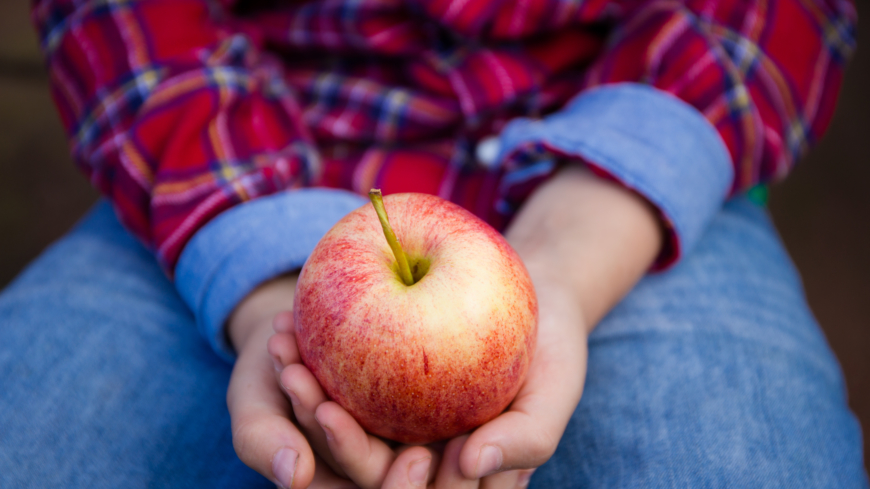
[[180, 109]]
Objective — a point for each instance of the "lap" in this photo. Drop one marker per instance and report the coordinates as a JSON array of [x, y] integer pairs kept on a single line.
[[106, 382], [712, 374]]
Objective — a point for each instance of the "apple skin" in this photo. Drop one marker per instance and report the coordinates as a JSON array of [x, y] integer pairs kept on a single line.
[[424, 362]]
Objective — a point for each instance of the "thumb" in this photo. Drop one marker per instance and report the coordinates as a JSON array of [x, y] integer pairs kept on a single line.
[[263, 436], [526, 436]]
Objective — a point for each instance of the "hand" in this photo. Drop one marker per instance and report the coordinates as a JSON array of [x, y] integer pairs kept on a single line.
[[525, 436], [263, 435], [585, 242]]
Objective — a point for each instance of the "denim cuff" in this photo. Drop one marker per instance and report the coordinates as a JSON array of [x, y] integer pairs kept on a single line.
[[648, 140], [249, 244]]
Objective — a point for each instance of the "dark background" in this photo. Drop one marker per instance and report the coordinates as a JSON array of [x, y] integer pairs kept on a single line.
[[820, 210]]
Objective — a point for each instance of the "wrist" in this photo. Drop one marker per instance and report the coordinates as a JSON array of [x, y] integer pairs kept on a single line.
[[256, 311], [588, 237]]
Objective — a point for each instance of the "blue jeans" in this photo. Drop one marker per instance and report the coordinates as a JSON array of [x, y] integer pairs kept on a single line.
[[713, 374]]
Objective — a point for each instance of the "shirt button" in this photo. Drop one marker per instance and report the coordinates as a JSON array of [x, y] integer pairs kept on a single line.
[[487, 151]]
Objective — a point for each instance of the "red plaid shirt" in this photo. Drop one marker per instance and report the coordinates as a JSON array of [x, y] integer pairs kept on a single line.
[[180, 109]]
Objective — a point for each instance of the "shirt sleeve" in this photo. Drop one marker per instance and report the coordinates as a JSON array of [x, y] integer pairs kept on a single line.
[[694, 101], [170, 113], [248, 244]]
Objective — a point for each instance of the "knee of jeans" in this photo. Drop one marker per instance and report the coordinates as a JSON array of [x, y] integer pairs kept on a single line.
[[694, 411]]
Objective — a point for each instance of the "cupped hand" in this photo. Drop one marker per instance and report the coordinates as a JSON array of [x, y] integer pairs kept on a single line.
[[500, 454], [585, 242], [264, 436]]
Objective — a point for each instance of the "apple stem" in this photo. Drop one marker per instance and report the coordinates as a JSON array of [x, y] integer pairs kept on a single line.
[[404, 270]]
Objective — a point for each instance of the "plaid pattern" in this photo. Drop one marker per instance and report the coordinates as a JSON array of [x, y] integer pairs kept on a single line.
[[179, 109]]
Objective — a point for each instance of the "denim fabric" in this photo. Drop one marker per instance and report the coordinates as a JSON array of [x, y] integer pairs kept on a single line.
[[249, 244], [104, 380], [647, 139], [713, 374]]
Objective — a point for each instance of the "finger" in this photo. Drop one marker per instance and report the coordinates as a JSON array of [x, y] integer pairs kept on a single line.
[[527, 434], [325, 478], [263, 436], [283, 322], [524, 477], [524, 437], [500, 480], [364, 458], [282, 349], [413, 468], [282, 345], [305, 395], [449, 476]]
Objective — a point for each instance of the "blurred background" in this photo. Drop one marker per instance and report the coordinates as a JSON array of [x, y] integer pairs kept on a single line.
[[821, 210]]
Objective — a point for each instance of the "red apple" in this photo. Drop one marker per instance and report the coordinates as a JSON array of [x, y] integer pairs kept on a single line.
[[422, 362]]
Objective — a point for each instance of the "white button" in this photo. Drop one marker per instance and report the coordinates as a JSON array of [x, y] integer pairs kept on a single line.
[[487, 151]]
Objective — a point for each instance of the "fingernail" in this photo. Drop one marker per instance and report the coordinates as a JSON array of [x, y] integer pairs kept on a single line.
[[326, 430], [418, 472], [294, 399], [524, 478], [488, 461], [278, 365], [284, 466]]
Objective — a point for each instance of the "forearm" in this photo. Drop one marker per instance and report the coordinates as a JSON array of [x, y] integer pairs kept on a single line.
[[256, 311], [587, 237]]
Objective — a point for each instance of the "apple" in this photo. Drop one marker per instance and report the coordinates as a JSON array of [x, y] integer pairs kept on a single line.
[[419, 338]]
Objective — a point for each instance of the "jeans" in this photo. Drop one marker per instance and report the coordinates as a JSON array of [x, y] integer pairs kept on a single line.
[[712, 374]]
